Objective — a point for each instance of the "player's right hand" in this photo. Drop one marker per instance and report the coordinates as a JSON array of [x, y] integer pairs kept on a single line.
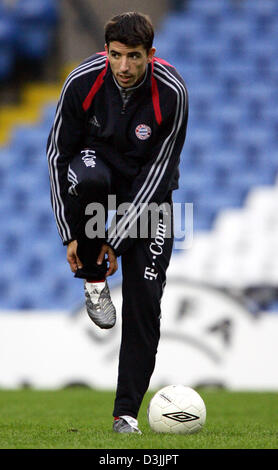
[[72, 257]]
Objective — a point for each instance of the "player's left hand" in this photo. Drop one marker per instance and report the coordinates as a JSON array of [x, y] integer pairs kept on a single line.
[[111, 257]]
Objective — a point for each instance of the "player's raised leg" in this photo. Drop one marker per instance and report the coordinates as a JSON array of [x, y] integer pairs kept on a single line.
[[91, 182]]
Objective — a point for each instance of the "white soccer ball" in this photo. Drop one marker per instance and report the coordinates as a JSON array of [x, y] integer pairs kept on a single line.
[[176, 409]]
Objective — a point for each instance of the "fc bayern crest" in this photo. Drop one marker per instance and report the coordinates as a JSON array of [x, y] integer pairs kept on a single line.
[[143, 131]]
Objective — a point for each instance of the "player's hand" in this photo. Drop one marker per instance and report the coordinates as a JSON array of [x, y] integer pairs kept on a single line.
[[111, 257], [72, 257]]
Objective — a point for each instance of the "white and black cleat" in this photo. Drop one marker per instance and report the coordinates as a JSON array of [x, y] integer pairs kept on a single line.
[[99, 304], [126, 424]]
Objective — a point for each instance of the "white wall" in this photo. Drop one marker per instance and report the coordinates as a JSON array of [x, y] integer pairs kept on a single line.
[[207, 338]]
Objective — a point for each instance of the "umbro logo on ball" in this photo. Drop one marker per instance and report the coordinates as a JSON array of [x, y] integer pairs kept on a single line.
[[181, 417]]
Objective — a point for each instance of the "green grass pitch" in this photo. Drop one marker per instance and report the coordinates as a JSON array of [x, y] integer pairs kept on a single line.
[[81, 418]]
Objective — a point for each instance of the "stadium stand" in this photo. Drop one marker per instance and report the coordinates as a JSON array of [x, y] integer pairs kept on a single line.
[[225, 50], [27, 28]]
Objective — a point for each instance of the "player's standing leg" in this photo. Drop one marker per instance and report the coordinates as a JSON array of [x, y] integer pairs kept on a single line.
[[144, 275]]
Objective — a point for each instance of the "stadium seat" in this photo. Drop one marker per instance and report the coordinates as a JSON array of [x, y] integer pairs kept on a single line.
[[48, 116], [7, 54], [269, 7], [26, 31], [29, 144], [36, 11], [203, 8]]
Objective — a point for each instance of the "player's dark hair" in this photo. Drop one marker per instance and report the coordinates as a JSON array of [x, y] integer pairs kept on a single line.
[[130, 28]]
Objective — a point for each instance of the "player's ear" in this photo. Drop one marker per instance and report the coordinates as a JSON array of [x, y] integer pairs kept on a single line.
[[106, 48], [151, 54]]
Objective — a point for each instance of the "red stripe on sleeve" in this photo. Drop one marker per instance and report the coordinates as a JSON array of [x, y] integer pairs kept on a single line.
[[155, 98], [96, 86]]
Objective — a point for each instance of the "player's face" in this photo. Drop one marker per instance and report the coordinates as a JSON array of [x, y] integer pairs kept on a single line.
[[128, 63]]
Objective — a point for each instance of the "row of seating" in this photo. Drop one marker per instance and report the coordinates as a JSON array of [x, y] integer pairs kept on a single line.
[[240, 251], [223, 7]]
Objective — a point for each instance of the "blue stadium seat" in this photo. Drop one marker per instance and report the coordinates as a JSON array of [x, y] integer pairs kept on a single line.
[[5, 286], [185, 25], [259, 7], [195, 179], [203, 218], [272, 307], [217, 200], [26, 31], [252, 177], [10, 245], [36, 20], [203, 8], [36, 11], [48, 116], [264, 47], [44, 223], [224, 161], [7, 35], [29, 144], [255, 133]]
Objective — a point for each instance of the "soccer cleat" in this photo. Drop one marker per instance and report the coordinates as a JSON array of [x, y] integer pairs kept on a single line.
[[126, 424], [99, 304]]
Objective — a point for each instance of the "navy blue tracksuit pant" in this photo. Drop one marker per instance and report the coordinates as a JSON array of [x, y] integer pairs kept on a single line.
[[144, 268]]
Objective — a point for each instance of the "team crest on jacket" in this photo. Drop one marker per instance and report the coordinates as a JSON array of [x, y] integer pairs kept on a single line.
[[143, 131]]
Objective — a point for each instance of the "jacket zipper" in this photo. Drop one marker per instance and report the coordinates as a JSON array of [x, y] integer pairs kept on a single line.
[[123, 108], [124, 102]]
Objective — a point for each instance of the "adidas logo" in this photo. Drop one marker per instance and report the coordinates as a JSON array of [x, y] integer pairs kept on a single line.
[[94, 121], [72, 190]]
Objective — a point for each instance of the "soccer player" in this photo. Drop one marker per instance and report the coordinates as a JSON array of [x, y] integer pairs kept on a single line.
[[119, 129]]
